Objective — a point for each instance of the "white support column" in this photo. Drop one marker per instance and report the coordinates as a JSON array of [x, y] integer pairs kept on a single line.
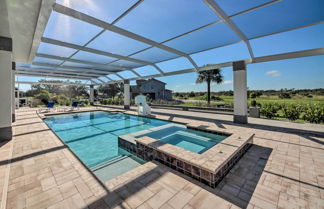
[[5, 88], [126, 94], [91, 95], [240, 92], [13, 90]]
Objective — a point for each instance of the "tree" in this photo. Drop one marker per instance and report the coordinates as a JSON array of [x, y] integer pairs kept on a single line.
[[73, 91], [44, 96], [209, 76], [111, 90]]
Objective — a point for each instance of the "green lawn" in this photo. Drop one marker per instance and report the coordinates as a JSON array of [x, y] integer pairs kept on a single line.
[[297, 99], [263, 99]]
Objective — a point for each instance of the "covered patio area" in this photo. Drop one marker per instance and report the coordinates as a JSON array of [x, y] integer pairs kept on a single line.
[[104, 42], [280, 170]]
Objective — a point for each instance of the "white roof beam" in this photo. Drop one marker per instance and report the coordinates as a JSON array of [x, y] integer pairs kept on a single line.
[[45, 70], [43, 16], [108, 78], [30, 74], [102, 81], [212, 23], [255, 8], [93, 81], [52, 83], [102, 31], [287, 30], [72, 68], [289, 55], [94, 21], [214, 6], [107, 67], [95, 51], [55, 73], [121, 77], [136, 73]]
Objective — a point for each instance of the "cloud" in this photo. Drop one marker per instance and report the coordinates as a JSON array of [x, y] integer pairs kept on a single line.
[[228, 82], [273, 73]]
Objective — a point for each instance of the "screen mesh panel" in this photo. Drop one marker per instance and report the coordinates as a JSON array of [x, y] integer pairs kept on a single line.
[[160, 20]]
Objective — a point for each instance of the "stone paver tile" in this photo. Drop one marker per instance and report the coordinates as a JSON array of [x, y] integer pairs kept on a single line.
[[207, 200], [173, 182], [180, 199], [288, 201], [290, 187], [230, 189], [159, 199], [113, 199], [44, 199], [122, 205], [18, 201], [266, 194], [134, 196], [48, 183], [68, 189], [73, 202], [144, 206], [83, 189], [188, 207], [260, 203], [65, 176], [192, 188], [96, 203]]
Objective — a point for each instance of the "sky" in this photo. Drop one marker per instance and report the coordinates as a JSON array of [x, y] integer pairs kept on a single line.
[[160, 21]]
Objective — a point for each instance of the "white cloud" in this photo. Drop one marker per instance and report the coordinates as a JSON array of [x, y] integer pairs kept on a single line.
[[273, 73], [228, 82]]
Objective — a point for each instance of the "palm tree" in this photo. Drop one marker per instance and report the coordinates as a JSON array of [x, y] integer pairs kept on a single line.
[[209, 76]]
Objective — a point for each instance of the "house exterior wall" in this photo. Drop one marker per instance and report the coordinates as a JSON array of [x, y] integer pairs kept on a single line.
[[154, 88]]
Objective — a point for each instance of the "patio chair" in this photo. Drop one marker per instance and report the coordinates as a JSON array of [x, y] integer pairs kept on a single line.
[[48, 108], [74, 105]]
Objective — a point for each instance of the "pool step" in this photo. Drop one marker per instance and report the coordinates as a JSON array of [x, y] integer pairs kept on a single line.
[[110, 162], [112, 170]]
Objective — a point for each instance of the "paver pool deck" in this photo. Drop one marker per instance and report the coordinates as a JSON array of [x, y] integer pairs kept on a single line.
[[281, 170]]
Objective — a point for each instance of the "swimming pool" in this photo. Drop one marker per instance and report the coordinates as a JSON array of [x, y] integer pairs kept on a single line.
[[93, 137], [188, 139]]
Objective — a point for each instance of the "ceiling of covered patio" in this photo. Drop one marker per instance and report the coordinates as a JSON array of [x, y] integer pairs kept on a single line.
[[107, 41]]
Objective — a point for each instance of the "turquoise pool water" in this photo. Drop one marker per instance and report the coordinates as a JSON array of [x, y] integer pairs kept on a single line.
[[189, 139], [93, 136]]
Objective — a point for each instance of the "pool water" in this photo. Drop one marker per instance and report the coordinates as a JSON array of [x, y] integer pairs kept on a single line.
[[189, 139], [93, 137]]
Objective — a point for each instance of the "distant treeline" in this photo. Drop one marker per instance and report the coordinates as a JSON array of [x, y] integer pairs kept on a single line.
[[304, 92]]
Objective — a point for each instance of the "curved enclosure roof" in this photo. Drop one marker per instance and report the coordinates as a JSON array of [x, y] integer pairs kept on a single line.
[[111, 40]]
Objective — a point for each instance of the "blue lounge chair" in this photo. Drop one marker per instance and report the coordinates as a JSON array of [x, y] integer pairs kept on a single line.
[[49, 107], [75, 105]]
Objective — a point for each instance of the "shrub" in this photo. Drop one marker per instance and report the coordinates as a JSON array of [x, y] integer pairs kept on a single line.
[[284, 95], [291, 111], [63, 100], [253, 95], [43, 96], [192, 94], [253, 103], [314, 113], [213, 97], [270, 110]]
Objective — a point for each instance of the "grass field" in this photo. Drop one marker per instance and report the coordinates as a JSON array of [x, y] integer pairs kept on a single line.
[[298, 99], [228, 100]]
